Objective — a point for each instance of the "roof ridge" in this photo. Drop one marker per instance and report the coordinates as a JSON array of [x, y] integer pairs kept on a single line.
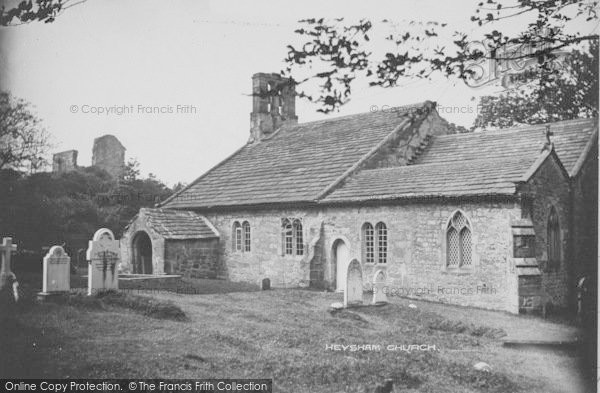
[[403, 125], [433, 164], [525, 127], [356, 165], [396, 110], [250, 146]]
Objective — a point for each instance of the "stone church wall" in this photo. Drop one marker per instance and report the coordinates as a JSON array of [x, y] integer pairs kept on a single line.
[[266, 258], [196, 258], [585, 218], [416, 264], [547, 188], [416, 256]]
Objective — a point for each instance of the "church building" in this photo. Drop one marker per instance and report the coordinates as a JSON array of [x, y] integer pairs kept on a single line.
[[502, 220]]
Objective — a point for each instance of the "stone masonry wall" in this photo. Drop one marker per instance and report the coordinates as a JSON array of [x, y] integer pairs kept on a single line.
[[196, 258], [416, 256], [158, 246], [416, 250], [266, 258], [585, 218], [549, 187], [64, 161]]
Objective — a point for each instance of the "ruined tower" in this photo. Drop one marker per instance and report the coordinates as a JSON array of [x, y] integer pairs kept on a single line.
[[109, 154], [64, 161]]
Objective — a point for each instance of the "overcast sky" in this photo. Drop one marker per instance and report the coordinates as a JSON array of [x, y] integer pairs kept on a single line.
[[198, 53]]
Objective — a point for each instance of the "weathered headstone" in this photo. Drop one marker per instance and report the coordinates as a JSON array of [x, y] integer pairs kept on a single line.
[[7, 277], [6, 250], [265, 284], [379, 289], [103, 257], [56, 273], [353, 294]]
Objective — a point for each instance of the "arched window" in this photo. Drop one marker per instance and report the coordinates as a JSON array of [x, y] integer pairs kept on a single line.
[[381, 231], [247, 239], [292, 237], [298, 237], [368, 243], [553, 239], [236, 237], [287, 235], [458, 242]]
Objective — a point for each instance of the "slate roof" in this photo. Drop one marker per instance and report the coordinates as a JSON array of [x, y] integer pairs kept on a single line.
[[469, 178], [301, 163], [179, 224], [295, 164], [485, 163], [570, 138]]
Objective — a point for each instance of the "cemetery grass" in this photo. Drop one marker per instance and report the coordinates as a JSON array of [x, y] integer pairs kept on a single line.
[[279, 334]]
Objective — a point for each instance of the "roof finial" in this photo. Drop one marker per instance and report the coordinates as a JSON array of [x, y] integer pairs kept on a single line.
[[548, 145]]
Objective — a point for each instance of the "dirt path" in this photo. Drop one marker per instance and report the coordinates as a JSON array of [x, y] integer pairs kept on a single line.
[[560, 369]]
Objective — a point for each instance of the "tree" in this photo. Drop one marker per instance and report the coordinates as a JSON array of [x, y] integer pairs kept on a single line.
[[50, 208], [333, 53], [132, 170], [569, 94], [23, 141], [178, 187], [29, 11]]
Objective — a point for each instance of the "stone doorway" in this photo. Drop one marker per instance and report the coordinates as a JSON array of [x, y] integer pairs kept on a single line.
[[142, 253]]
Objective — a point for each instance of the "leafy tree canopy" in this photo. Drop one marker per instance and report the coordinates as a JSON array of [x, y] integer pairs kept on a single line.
[[16, 12], [547, 97], [333, 52], [23, 140], [46, 208]]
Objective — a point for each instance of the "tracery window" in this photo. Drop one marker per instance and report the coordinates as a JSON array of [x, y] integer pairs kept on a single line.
[[458, 242]]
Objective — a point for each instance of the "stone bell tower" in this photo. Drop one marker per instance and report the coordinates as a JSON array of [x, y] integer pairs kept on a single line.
[[273, 105]]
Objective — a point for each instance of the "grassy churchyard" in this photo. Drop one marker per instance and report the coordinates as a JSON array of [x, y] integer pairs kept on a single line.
[[290, 335]]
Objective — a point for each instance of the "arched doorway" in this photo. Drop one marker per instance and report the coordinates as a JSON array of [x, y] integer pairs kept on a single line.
[[341, 259], [142, 253]]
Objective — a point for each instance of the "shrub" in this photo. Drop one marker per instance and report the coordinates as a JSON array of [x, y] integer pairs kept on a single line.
[[144, 305]]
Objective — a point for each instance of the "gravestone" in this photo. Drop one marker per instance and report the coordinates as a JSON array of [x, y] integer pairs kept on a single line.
[[103, 257], [6, 249], [265, 284], [56, 273], [353, 294], [7, 277], [379, 289]]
